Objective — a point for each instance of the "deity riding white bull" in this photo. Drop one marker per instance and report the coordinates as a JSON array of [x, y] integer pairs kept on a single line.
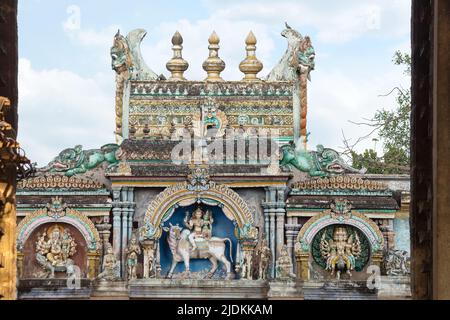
[[181, 248]]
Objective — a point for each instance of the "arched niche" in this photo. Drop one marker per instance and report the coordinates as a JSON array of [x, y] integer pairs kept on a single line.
[[326, 219], [29, 266], [72, 217], [164, 205]]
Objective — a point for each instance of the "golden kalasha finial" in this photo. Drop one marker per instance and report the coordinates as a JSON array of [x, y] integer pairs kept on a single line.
[[177, 65], [250, 66], [213, 65]]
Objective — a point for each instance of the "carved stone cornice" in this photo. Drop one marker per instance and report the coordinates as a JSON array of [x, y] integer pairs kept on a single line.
[[60, 182], [340, 183]]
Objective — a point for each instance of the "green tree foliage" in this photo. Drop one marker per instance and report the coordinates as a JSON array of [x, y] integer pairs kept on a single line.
[[393, 128]]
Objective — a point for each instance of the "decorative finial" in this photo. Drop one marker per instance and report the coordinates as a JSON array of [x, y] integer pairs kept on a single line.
[[213, 65], [251, 65], [177, 65]]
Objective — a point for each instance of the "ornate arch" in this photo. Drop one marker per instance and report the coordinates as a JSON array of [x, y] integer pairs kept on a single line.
[[329, 217], [184, 194], [69, 216]]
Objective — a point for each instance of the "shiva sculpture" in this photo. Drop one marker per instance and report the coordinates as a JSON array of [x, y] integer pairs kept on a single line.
[[321, 163], [110, 267], [74, 161], [340, 252], [284, 266], [191, 243], [265, 256], [53, 253], [132, 252]]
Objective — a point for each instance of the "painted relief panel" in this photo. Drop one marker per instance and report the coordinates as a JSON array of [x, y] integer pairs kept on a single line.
[[31, 266]]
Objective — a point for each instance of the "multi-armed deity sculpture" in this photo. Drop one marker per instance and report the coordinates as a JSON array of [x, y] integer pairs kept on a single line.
[[340, 252], [54, 249]]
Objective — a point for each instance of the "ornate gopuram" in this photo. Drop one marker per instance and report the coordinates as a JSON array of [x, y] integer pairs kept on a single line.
[[211, 191]]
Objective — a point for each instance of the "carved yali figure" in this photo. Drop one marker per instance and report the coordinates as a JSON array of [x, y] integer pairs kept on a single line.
[[54, 253], [132, 252], [110, 267], [321, 163], [75, 160]]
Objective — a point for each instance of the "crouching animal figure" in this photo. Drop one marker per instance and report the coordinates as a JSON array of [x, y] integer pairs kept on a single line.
[[212, 249]]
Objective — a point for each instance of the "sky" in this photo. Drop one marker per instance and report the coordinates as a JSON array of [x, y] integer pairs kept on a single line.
[[67, 87]]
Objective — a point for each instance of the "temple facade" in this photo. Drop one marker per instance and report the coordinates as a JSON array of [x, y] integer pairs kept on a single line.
[[211, 191]]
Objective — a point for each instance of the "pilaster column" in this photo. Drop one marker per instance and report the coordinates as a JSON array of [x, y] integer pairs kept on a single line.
[[20, 257], [131, 211], [150, 261], [280, 212], [93, 264], [124, 204], [272, 242], [270, 224], [280, 230], [104, 235], [292, 230], [124, 238], [302, 265], [116, 224]]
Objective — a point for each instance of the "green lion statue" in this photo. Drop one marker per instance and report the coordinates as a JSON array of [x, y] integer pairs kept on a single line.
[[75, 160], [321, 163]]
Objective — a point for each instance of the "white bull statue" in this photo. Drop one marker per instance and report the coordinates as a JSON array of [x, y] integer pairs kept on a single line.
[[181, 248]]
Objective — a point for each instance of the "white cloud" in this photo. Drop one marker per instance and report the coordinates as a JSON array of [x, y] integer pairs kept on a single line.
[[92, 38], [59, 109], [337, 97], [335, 21]]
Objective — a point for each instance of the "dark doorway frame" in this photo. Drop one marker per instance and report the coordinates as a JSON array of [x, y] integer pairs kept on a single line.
[[430, 135]]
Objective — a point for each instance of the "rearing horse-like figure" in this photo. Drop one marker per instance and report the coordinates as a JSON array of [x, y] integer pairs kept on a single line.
[[296, 65], [285, 70]]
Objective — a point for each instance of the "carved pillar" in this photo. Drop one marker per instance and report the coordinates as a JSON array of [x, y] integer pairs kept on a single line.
[[124, 205], [149, 270], [131, 210], [93, 264], [280, 230], [247, 251], [377, 259], [270, 212], [104, 236], [20, 256], [280, 214], [124, 239], [116, 224], [272, 242], [292, 230], [302, 265], [266, 217]]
